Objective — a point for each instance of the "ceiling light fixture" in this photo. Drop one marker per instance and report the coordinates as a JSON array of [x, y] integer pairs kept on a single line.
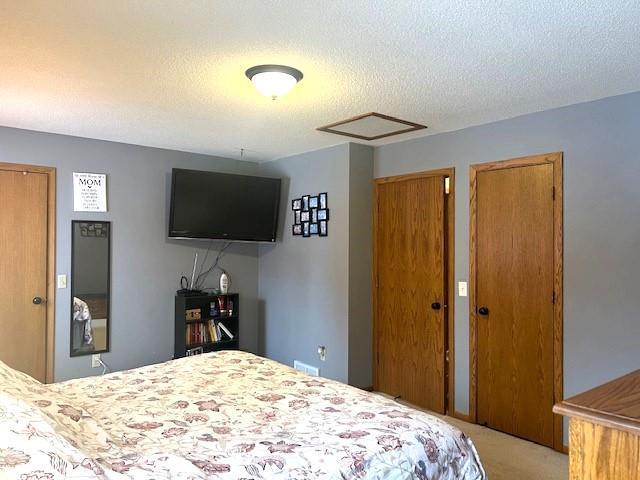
[[273, 80]]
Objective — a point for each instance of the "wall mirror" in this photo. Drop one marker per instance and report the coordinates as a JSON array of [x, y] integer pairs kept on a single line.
[[90, 287]]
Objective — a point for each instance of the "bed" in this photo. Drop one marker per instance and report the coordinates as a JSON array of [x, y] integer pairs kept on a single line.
[[223, 415]]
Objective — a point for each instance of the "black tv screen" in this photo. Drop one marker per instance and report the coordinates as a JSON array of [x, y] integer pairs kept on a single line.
[[223, 206]]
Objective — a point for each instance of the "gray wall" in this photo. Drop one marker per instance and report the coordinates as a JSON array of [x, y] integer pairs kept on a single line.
[[145, 264], [601, 146], [317, 291], [360, 225], [303, 285]]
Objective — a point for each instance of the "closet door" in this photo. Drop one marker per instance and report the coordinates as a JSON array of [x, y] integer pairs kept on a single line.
[[515, 297], [409, 279]]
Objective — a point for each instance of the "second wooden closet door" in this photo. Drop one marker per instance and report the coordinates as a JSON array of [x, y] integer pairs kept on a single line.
[[515, 295]]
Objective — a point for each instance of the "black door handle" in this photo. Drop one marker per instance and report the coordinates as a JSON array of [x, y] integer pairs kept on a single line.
[[37, 300], [435, 306], [483, 311]]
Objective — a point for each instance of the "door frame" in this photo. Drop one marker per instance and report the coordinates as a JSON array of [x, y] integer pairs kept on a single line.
[[449, 274], [555, 159], [50, 310]]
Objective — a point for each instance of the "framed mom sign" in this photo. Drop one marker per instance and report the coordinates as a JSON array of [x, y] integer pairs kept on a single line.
[[89, 192]]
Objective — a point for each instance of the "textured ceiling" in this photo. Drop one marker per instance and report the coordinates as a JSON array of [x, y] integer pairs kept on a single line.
[[170, 73]]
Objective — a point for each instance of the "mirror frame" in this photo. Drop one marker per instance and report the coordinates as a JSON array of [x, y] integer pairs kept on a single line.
[[73, 353]]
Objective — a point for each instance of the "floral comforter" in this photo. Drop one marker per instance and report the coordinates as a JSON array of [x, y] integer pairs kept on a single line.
[[224, 415]]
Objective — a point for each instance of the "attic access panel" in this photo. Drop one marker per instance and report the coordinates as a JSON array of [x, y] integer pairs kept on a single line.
[[371, 126]]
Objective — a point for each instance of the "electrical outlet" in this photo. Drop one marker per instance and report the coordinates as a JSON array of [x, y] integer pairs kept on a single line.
[[95, 361], [62, 281], [322, 352]]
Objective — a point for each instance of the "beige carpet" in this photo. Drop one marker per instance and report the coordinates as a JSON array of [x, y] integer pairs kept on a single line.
[[509, 458]]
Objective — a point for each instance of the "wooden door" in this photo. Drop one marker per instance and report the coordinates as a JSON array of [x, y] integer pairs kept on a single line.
[[23, 270], [515, 299], [410, 296]]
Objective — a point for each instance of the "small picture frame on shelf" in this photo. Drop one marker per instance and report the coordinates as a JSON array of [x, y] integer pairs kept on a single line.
[[296, 216], [313, 229], [305, 203], [305, 229], [313, 202], [194, 351], [296, 204], [323, 214], [297, 229], [323, 228], [305, 216], [322, 200]]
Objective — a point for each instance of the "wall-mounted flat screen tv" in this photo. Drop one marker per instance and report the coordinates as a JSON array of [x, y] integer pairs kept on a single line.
[[223, 206]]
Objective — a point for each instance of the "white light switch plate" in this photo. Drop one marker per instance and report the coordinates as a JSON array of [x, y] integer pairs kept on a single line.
[[62, 281], [462, 289]]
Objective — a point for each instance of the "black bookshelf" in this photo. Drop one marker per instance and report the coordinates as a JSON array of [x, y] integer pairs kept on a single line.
[[183, 325]]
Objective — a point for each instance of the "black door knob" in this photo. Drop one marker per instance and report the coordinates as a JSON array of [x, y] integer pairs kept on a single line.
[[37, 300], [435, 306], [483, 311]]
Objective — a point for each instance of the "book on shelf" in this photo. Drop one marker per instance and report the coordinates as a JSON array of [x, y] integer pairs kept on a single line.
[[195, 334], [206, 332], [226, 330], [212, 331]]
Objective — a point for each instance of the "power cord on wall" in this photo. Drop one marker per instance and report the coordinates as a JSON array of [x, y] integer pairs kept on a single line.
[[206, 256], [202, 276], [105, 368]]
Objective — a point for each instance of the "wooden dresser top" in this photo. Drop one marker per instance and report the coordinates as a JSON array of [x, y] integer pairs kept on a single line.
[[615, 404]]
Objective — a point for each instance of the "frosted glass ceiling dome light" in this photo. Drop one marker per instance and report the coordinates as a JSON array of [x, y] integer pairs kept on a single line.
[[273, 80]]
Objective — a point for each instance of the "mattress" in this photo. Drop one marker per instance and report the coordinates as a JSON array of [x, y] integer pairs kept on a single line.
[[223, 415]]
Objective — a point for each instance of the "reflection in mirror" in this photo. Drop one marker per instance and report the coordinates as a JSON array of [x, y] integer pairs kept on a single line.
[[90, 263]]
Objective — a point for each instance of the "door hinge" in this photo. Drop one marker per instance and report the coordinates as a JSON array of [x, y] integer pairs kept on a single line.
[[446, 356], [447, 187], [553, 298]]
